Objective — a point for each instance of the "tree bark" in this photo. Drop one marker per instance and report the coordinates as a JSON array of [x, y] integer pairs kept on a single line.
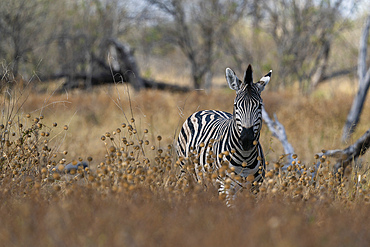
[[364, 83]]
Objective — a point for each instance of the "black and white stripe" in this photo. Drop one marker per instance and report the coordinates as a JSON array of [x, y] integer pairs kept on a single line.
[[210, 133]]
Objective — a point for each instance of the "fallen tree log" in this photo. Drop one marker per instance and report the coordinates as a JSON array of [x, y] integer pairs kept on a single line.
[[165, 86], [125, 71], [111, 78]]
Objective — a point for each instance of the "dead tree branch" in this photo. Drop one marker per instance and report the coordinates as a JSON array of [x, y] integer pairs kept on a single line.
[[278, 131], [344, 157]]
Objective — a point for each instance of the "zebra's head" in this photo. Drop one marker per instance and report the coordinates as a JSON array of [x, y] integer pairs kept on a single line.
[[247, 105]]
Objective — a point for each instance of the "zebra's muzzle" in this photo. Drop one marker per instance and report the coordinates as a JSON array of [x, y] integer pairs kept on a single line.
[[246, 138]]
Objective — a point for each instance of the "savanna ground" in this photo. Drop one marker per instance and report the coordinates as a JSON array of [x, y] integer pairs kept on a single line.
[[131, 194]]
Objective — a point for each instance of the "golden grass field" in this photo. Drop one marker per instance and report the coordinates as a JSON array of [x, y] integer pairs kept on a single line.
[[131, 195]]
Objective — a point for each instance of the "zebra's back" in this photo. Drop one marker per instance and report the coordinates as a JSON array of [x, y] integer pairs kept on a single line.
[[202, 127], [207, 134]]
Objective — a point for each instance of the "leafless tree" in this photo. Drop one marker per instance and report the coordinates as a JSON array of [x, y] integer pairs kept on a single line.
[[21, 25], [303, 31], [199, 29]]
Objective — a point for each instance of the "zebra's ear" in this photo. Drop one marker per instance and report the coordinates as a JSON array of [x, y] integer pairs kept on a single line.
[[264, 81], [248, 75], [232, 79]]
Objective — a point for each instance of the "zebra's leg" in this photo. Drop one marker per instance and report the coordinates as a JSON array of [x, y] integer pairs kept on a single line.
[[224, 193], [228, 193]]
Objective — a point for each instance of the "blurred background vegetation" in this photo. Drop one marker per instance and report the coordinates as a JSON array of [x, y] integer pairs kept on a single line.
[[134, 197], [187, 42]]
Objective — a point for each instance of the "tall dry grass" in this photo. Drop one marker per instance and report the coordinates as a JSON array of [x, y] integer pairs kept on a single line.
[[132, 195]]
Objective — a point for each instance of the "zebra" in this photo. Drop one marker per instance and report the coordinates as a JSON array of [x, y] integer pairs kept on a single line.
[[217, 138]]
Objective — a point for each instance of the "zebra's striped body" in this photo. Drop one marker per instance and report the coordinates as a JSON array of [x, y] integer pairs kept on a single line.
[[217, 136]]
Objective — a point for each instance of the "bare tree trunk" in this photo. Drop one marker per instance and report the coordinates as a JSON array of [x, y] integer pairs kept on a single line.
[[89, 72], [208, 81], [197, 77], [363, 49], [128, 65], [16, 57], [319, 74], [364, 83]]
